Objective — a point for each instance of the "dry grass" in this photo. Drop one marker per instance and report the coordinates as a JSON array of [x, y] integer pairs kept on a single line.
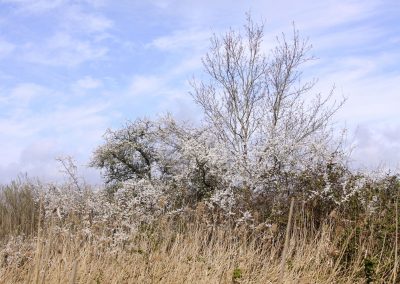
[[187, 249], [18, 210], [196, 254]]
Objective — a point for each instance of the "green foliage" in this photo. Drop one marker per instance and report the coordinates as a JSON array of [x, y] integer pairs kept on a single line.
[[236, 275], [369, 270]]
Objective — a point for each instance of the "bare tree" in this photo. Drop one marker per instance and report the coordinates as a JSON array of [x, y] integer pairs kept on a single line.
[[252, 97], [264, 127]]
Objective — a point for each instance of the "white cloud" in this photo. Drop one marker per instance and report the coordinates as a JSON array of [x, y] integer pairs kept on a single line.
[[371, 92], [14, 130], [44, 6], [77, 20], [32, 139], [38, 160], [309, 14], [6, 48], [64, 50], [35, 6], [88, 82], [321, 15], [182, 39], [97, 3], [146, 84], [78, 118], [172, 83], [23, 93], [377, 145], [16, 101], [71, 14], [360, 38], [31, 144], [76, 32]]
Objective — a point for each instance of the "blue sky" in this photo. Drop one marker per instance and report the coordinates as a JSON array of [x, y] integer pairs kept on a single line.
[[71, 69]]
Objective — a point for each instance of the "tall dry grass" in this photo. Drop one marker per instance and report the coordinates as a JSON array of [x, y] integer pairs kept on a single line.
[[196, 253], [19, 210], [188, 248]]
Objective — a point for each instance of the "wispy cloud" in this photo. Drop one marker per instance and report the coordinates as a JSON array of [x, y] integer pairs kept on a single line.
[[75, 32], [31, 145], [6, 48], [15, 102], [63, 50], [23, 94], [76, 20], [70, 69], [88, 82], [182, 39], [34, 6], [377, 144]]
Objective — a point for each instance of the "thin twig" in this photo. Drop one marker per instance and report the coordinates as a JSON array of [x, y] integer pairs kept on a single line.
[[285, 248]]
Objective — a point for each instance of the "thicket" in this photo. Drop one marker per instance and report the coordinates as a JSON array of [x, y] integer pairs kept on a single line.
[[224, 188], [56, 233]]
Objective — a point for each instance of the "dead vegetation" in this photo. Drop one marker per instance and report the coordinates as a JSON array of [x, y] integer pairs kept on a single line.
[[192, 246]]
